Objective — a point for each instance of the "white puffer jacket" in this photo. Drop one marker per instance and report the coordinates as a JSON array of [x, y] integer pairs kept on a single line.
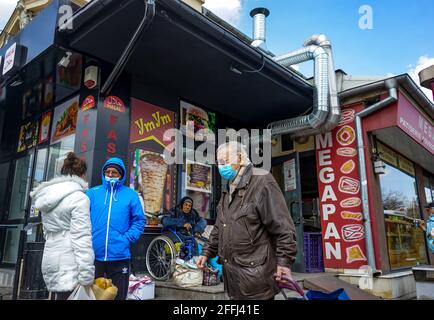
[[68, 257]]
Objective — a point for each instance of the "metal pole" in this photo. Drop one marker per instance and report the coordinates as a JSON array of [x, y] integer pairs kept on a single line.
[[393, 97], [128, 51]]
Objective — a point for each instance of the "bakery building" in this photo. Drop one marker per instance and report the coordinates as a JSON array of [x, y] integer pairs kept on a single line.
[[114, 77], [375, 179]]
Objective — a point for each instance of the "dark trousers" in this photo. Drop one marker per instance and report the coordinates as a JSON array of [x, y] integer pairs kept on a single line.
[[188, 238], [118, 272], [60, 295]]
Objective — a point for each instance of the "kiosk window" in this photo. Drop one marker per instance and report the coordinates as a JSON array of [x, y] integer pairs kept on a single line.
[[406, 242]]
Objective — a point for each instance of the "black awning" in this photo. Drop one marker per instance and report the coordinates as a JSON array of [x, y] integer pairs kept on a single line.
[[191, 55]]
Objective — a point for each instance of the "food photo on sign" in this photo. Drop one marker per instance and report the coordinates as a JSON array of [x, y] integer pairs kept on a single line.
[[198, 177], [65, 120], [148, 177], [201, 121], [28, 137], [45, 127]]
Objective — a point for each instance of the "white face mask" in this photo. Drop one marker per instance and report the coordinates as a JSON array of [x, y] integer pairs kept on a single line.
[[111, 181]]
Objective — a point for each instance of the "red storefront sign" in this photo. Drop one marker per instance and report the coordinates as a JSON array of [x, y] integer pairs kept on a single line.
[[149, 122], [416, 125], [114, 103], [88, 103], [340, 200]]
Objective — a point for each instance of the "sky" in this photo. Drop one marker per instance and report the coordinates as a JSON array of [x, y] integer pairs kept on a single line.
[[400, 38], [6, 8]]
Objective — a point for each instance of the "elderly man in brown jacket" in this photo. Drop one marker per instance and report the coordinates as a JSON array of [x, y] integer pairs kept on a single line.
[[254, 234]]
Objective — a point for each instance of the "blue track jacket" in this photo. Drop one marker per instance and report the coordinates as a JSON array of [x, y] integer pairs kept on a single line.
[[117, 218]]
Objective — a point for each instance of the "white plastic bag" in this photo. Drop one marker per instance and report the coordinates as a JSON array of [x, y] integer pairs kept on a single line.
[[82, 293], [141, 288], [186, 277]]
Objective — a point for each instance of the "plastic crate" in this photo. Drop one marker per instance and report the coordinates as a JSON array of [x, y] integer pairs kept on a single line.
[[313, 257]]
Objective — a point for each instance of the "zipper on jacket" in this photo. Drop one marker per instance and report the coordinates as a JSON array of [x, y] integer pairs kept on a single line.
[[108, 222]]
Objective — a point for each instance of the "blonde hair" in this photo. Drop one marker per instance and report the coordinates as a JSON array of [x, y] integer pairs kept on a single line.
[[233, 149]]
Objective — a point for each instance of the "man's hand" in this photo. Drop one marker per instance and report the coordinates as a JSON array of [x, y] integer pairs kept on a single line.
[[201, 262], [283, 271], [187, 226]]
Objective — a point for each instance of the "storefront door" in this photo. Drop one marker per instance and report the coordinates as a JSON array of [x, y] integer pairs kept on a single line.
[[286, 171]]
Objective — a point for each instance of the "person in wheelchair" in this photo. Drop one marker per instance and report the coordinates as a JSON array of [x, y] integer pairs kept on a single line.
[[186, 221]]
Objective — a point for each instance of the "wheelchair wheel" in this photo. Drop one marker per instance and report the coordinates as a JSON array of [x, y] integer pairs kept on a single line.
[[160, 257]]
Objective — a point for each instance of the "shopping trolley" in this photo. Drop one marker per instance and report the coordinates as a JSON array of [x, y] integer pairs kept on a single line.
[[293, 285]]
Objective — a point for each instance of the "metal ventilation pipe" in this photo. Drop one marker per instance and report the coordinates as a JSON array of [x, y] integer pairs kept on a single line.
[[333, 108], [259, 16], [320, 111]]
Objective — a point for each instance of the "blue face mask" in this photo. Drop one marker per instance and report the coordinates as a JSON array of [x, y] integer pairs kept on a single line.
[[111, 181], [227, 172]]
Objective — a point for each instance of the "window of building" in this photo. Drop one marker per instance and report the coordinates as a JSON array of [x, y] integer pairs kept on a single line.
[[68, 73], [21, 187], [428, 183], [39, 175], [57, 155], [12, 242], [64, 125], [406, 241], [4, 172]]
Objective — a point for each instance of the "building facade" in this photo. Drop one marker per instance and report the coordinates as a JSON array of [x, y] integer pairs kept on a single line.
[[355, 193]]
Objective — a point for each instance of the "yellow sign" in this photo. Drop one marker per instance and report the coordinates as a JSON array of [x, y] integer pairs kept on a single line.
[[387, 154], [406, 165]]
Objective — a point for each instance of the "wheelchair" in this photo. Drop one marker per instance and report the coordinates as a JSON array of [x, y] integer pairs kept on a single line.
[[163, 251]]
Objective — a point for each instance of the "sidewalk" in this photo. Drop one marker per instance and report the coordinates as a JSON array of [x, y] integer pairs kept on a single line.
[[167, 290], [5, 293]]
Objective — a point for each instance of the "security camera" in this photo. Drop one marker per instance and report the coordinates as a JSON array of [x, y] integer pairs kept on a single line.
[[64, 62]]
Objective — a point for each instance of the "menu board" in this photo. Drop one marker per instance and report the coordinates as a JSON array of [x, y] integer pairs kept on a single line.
[[198, 177], [65, 120]]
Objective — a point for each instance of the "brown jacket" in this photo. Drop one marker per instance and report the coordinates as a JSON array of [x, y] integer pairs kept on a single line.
[[252, 236]]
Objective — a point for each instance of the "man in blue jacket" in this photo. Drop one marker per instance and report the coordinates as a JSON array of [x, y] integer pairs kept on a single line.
[[118, 221]]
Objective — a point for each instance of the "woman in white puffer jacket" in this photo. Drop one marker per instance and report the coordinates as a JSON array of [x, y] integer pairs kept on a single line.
[[68, 258]]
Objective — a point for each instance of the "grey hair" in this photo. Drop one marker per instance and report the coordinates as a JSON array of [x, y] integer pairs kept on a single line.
[[234, 148]]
